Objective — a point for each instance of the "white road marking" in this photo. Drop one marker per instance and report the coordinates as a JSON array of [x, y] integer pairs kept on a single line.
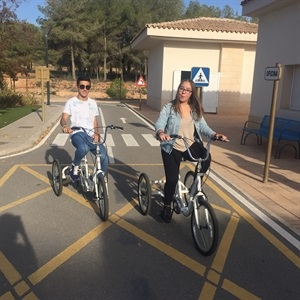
[[109, 141], [151, 139], [110, 154], [129, 140], [258, 212], [60, 140]]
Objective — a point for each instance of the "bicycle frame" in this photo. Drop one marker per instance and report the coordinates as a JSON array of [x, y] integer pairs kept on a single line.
[[89, 180], [195, 191], [196, 188]]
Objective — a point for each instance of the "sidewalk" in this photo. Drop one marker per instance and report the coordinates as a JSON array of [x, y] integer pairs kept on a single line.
[[241, 166], [27, 132]]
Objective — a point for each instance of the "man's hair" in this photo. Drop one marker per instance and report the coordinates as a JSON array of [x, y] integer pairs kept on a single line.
[[83, 78]]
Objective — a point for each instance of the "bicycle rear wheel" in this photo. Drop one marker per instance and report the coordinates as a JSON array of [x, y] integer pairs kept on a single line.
[[144, 193], [206, 234], [56, 177], [102, 200]]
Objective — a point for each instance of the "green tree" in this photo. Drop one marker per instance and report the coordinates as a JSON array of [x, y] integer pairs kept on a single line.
[[70, 29], [20, 42], [196, 10], [7, 16]]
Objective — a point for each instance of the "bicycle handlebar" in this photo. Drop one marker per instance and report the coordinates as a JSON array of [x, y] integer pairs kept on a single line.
[[105, 130], [212, 138]]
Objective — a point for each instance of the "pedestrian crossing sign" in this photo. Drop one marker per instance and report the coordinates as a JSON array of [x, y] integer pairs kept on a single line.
[[200, 76]]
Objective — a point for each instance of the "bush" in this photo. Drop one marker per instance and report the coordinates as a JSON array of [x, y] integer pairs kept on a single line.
[[10, 98], [117, 89]]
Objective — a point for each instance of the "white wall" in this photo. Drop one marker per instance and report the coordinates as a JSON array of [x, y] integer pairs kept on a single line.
[[233, 62], [154, 84], [278, 42]]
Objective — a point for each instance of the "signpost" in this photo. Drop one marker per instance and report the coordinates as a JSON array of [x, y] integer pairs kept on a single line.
[[200, 76], [141, 83], [272, 74], [42, 74]]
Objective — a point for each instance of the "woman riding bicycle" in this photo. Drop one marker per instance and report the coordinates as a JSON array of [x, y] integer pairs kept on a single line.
[[182, 116]]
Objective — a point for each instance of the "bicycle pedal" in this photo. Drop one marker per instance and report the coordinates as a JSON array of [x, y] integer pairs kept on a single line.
[[176, 208]]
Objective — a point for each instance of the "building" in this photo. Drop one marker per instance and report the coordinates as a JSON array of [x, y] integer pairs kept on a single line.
[[278, 42], [227, 47]]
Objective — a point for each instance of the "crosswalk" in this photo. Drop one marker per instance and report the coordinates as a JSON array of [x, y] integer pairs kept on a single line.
[[128, 140]]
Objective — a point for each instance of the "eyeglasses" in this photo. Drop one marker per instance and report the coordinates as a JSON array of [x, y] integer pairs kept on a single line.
[[182, 89], [82, 86]]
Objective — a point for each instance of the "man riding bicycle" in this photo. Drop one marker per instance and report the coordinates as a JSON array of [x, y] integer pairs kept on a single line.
[[83, 112]]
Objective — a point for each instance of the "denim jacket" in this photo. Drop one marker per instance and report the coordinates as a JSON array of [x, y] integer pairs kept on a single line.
[[169, 122]]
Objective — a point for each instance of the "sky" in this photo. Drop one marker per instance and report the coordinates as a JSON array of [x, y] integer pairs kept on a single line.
[[29, 12]]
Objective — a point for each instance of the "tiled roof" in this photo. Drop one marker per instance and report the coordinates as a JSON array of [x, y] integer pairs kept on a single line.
[[208, 24]]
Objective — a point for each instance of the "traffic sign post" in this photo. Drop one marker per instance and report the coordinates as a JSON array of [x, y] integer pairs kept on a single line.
[[141, 83], [200, 76], [42, 74], [273, 74]]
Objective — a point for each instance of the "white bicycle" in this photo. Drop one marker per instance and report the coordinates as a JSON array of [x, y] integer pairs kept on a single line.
[[189, 199], [90, 181]]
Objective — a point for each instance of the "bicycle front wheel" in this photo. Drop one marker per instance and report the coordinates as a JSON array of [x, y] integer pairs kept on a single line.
[[56, 177], [102, 200], [206, 233], [144, 193]]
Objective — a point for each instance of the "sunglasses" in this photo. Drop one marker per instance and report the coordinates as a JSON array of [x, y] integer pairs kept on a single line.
[[82, 86]]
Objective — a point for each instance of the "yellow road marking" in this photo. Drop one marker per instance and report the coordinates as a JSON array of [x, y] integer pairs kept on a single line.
[[237, 291], [126, 208], [7, 296], [209, 289], [220, 208], [23, 200], [220, 259], [164, 248], [208, 292], [79, 198], [14, 278], [8, 270], [7, 175], [36, 174], [30, 296], [66, 254], [21, 288], [224, 247], [268, 235]]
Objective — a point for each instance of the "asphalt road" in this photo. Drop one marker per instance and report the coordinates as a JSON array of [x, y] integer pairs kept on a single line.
[[58, 247]]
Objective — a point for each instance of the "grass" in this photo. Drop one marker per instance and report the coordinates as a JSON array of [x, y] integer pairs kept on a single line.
[[12, 114]]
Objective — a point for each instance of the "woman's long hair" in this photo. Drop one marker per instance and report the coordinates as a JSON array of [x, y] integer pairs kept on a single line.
[[194, 101]]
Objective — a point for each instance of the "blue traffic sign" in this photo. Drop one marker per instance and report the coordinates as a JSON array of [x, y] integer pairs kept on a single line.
[[200, 76]]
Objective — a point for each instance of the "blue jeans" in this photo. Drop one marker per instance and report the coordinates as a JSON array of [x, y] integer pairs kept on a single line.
[[83, 144]]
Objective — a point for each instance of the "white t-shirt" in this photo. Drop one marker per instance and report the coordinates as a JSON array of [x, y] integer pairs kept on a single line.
[[82, 113]]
